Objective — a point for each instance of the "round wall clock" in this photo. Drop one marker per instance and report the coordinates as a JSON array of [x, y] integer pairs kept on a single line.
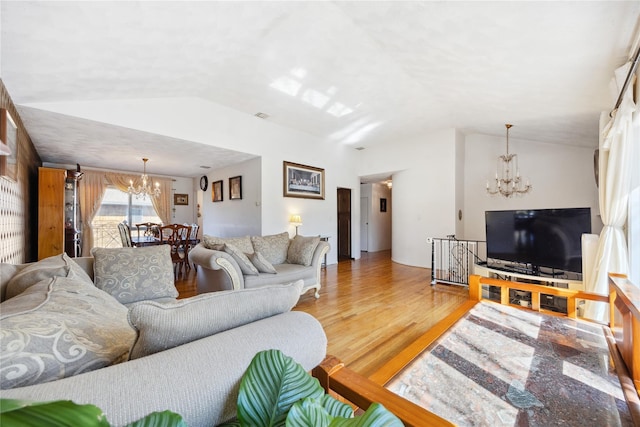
[[204, 183]]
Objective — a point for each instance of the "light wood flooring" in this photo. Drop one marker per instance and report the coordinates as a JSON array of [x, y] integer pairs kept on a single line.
[[371, 308]]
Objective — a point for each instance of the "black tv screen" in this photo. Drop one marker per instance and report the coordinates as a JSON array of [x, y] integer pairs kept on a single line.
[[539, 237]]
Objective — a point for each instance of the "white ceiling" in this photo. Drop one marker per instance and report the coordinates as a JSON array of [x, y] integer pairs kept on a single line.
[[362, 73]]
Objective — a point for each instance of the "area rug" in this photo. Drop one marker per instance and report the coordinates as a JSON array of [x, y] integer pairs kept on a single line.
[[502, 366]]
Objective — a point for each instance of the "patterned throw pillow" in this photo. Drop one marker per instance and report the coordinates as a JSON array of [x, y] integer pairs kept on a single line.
[[301, 250], [135, 274], [60, 327], [162, 326], [54, 266], [242, 243], [273, 248], [261, 263], [242, 260]]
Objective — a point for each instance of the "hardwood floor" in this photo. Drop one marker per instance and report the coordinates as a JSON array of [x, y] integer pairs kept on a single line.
[[372, 308]]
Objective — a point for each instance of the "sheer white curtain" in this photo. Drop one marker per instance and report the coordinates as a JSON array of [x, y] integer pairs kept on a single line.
[[616, 140], [91, 191], [161, 204]]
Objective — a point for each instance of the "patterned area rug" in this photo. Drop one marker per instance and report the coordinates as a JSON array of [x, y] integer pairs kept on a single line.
[[502, 366]]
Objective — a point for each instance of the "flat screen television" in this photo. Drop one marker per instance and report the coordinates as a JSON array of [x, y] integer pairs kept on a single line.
[[539, 238]]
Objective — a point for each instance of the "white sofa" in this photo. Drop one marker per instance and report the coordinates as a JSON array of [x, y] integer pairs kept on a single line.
[[190, 353], [219, 268]]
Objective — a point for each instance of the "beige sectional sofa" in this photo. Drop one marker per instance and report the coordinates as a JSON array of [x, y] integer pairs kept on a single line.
[[254, 261], [109, 331]]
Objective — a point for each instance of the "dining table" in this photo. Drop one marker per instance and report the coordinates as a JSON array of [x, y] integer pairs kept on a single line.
[[141, 241]]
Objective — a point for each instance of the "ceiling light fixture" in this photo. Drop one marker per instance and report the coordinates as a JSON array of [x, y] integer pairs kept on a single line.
[[144, 189], [506, 184]]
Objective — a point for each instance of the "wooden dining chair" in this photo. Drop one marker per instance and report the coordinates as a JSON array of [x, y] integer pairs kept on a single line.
[[125, 234], [150, 228], [177, 236]]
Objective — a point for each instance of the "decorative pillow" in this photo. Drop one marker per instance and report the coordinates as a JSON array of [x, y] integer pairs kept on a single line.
[[301, 250], [54, 266], [261, 263], [7, 271], [242, 260], [273, 247], [162, 326], [60, 327], [135, 274], [242, 243]]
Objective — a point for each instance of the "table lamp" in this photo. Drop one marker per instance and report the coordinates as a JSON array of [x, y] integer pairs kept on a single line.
[[296, 220]]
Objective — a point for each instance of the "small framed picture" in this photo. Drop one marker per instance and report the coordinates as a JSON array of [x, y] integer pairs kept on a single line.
[[235, 188], [303, 181], [180, 199], [216, 191], [383, 205]]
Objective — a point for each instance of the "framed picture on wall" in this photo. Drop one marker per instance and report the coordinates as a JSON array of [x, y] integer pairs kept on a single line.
[[303, 181], [235, 188], [216, 191], [9, 137], [180, 199]]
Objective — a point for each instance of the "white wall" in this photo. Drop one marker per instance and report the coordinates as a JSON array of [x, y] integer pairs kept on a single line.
[[562, 177], [184, 214], [424, 196], [379, 235], [459, 177], [230, 218]]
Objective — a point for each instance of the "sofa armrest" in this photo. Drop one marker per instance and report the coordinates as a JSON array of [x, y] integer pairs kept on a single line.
[[322, 248], [198, 380], [217, 260]]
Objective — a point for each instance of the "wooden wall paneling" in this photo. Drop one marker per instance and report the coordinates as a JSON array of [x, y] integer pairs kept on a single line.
[[19, 199]]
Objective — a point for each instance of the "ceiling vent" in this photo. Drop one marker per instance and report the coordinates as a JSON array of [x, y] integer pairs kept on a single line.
[[359, 148], [261, 115], [205, 167]]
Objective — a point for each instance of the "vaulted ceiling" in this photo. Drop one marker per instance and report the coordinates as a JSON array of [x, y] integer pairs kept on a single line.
[[360, 73]]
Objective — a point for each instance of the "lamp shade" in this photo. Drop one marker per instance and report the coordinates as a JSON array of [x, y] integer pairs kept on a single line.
[[295, 219]]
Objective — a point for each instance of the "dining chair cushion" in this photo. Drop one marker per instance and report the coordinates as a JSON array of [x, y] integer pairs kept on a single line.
[[241, 258], [301, 250], [60, 327], [274, 247], [54, 266], [135, 274], [161, 326], [261, 263]]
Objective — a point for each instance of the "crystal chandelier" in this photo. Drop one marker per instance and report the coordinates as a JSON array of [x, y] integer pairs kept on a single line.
[[505, 183], [144, 188]]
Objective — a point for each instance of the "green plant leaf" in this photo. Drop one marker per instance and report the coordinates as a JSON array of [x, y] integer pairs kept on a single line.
[[376, 416], [160, 419], [272, 384], [60, 413], [233, 423], [335, 408], [308, 412]]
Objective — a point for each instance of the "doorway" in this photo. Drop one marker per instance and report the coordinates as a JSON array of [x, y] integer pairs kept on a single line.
[[364, 224], [344, 223]]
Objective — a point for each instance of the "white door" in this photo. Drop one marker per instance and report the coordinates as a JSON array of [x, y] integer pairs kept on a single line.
[[364, 224]]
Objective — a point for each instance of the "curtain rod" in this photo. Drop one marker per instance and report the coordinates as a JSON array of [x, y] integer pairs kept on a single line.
[[632, 70]]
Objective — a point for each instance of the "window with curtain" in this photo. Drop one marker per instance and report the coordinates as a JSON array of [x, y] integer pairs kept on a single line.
[[118, 206]]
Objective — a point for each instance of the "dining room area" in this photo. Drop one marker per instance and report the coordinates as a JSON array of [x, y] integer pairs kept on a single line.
[[179, 237]]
